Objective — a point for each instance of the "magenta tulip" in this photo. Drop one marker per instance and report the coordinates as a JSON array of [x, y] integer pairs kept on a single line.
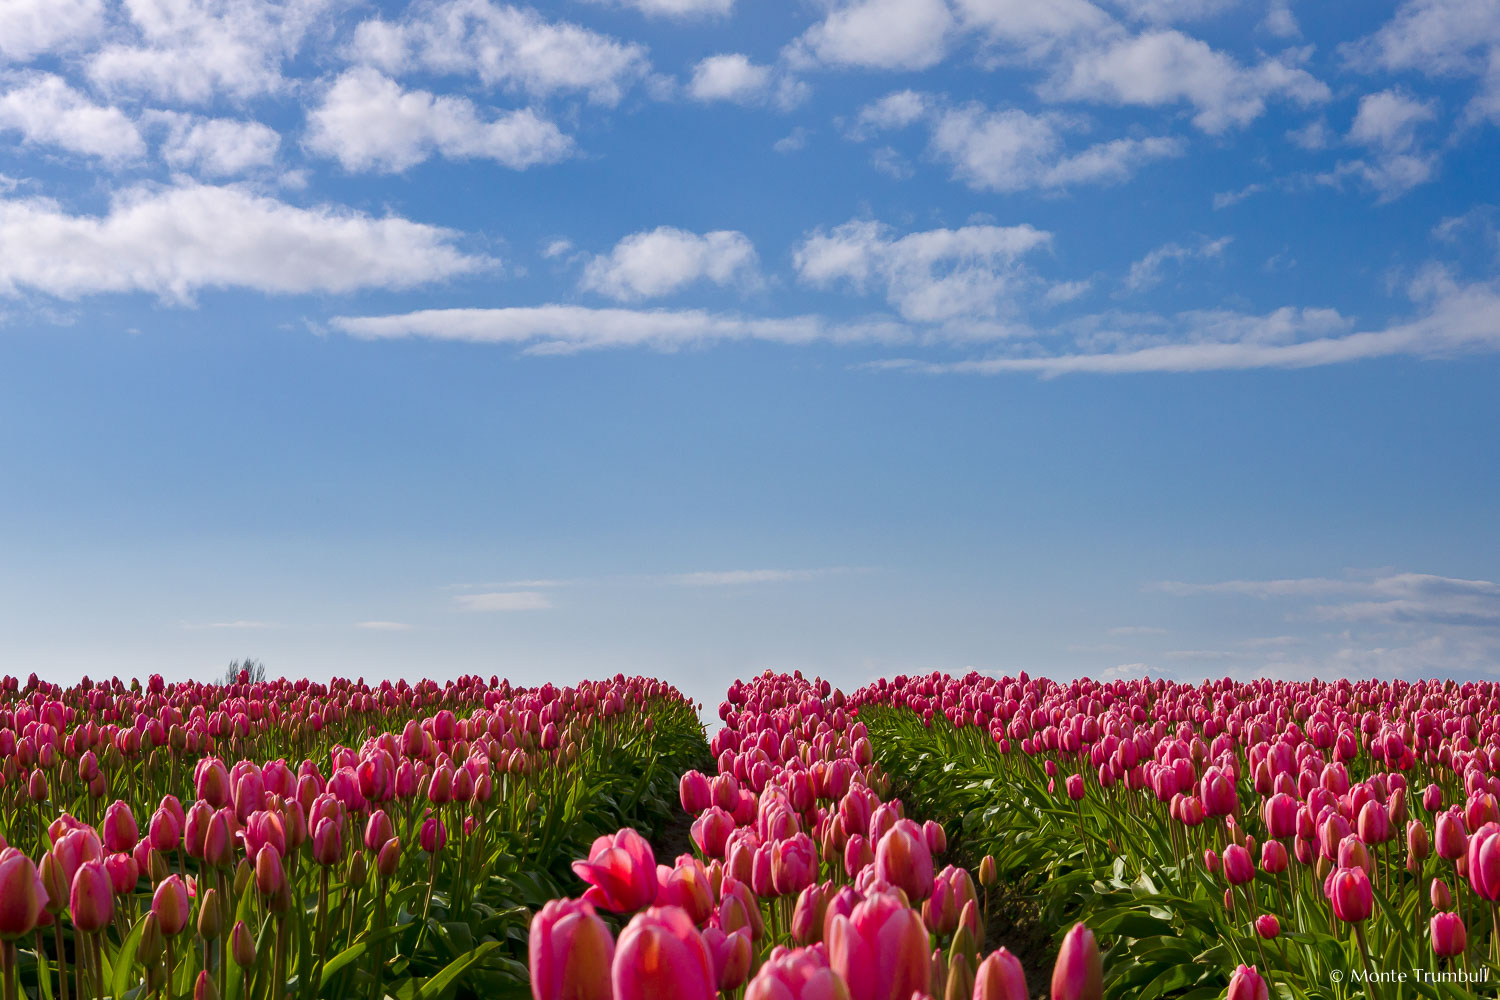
[[571, 953], [661, 955]]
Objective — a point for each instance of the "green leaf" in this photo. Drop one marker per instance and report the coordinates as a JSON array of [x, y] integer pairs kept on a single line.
[[124, 961], [434, 987]]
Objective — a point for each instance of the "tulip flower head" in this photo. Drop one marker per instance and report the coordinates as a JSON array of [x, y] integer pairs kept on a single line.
[[1079, 971], [621, 872]]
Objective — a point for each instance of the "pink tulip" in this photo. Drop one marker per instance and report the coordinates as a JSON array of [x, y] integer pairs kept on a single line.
[[803, 974], [170, 904], [1267, 926], [571, 953], [1247, 984], [661, 955], [1449, 937], [621, 872], [1079, 972], [731, 954], [1351, 895], [711, 831], [378, 830], [1239, 868], [123, 873], [91, 903], [694, 792], [880, 949], [1001, 977], [434, 835], [328, 842], [22, 895], [794, 864], [119, 828], [904, 860]]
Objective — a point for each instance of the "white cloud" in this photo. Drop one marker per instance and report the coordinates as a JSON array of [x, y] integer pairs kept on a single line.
[[367, 122], [516, 600], [1147, 272], [1173, 11], [1280, 21], [192, 51], [1012, 150], [664, 260], [677, 8], [729, 77], [793, 141], [1031, 28], [1440, 37], [895, 110], [29, 28], [503, 46], [215, 146], [933, 276], [1224, 199], [559, 247], [171, 242], [1167, 67], [740, 577], [49, 112], [878, 34], [1456, 320], [1387, 597], [1389, 119], [564, 329]]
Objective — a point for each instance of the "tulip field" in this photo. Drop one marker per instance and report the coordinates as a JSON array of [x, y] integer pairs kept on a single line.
[[913, 840]]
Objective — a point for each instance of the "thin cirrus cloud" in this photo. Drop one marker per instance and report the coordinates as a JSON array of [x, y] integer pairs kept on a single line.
[[507, 600], [174, 242], [1385, 598], [385, 626]]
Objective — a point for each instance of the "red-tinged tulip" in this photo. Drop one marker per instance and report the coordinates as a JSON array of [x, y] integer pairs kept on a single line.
[[1211, 861], [621, 872], [264, 829], [389, 859], [1218, 793], [36, 787], [1079, 972], [794, 864], [211, 782], [91, 903], [1452, 838], [937, 837], [170, 904], [571, 953], [1432, 798], [1280, 815], [694, 792], [660, 954], [738, 908], [1075, 787], [1267, 926], [1239, 867], [22, 895], [1273, 857], [434, 835], [686, 887], [1374, 826], [218, 840], [440, 788], [810, 912], [711, 831], [857, 855], [1440, 895], [123, 873], [1001, 977], [119, 828], [1247, 984], [802, 974], [732, 954], [165, 830], [1351, 895], [880, 949], [204, 988], [328, 842], [378, 830], [1449, 937], [270, 875], [904, 860]]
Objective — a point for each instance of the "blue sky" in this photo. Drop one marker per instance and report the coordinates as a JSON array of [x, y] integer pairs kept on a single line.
[[695, 337]]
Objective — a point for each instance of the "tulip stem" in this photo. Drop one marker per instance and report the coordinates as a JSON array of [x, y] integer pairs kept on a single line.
[[8, 959], [62, 959], [1359, 935]]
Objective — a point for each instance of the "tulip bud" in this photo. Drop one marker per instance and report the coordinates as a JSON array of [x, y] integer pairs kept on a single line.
[[1442, 898], [156, 865], [210, 916], [1267, 926], [22, 894], [204, 988], [1079, 972], [434, 835], [1351, 895], [389, 858], [152, 942], [987, 873], [242, 945], [1449, 936], [270, 875]]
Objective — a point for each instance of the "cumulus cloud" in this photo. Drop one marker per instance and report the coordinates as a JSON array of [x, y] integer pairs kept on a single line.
[[1010, 149], [368, 122], [664, 260], [933, 276], [563, 329], [1033, 30], [1386, 124], [877, 34], [1168, 67], [217, 147], [172, 242], [503, 46], [29, 28], [47, 111], [677, 8], [192, 52]]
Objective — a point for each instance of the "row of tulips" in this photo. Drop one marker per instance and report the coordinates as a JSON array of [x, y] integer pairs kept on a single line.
[[1340, 837], [400, 856], [806, 882]]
